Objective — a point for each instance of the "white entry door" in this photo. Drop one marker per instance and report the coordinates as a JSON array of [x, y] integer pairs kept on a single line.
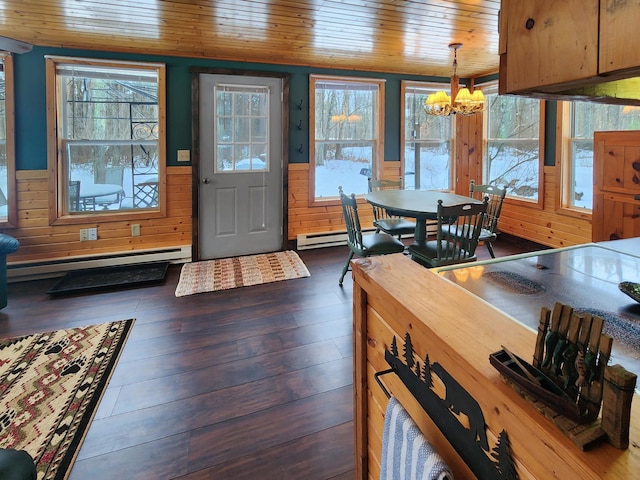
[[241, 162]]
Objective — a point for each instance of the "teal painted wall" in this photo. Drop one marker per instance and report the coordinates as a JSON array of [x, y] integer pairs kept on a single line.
[[31, 133]]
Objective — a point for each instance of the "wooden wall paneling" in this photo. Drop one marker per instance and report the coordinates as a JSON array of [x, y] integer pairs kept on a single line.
[[280, 32], [359, 381], [555, 230], [304, 218], [40, 241], [391, 169], [547, 226], [468, 152], [462, 162]]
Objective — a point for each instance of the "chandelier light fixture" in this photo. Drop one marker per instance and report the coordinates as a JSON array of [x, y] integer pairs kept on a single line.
[[464, 102]]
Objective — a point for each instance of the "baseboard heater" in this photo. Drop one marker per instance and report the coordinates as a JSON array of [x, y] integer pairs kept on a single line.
[[18, 272], [335, 238]]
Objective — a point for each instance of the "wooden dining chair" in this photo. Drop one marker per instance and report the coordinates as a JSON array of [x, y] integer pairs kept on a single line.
[[458, 229], [496, 195], [383, 220], [363, 245]]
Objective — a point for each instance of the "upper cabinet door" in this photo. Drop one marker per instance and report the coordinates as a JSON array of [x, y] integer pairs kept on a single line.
[[547, 42], [619, 23], [616, 175]]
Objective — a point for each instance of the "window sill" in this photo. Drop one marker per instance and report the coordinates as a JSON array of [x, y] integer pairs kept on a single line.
[[582, 213], [91, 217]]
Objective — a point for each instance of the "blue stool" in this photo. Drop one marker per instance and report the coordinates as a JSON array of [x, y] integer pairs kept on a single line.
[[8, 244], [16, 465]]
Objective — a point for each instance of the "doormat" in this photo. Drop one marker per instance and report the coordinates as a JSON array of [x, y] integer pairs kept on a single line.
[[227, 273], [104, 278], [50, 387]]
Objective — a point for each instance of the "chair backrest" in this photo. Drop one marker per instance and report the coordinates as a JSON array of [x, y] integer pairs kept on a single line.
[[350, 214], [114, 175], [384, 184], [496, 199], [111, 175], [458, 231], [74, 195]]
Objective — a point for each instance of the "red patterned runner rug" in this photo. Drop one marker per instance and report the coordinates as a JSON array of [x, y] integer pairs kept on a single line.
[[226, 273], [50, 386]]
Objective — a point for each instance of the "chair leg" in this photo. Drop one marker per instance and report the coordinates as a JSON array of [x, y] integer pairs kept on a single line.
[[345, 268], [490, 248]]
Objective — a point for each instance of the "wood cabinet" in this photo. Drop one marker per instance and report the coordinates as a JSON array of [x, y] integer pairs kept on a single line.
[[618, 31], [553, 49], [616, 195]]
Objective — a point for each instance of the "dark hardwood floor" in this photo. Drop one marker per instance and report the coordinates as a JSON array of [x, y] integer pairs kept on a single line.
[[248, 383]]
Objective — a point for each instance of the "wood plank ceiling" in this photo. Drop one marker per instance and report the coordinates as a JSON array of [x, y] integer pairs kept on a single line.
[[396, 36]]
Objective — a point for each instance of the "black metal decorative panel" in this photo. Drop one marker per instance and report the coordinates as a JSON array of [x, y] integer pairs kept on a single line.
[[470, 441]]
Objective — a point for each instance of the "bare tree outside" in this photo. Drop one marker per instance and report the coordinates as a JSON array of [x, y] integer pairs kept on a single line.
[[109, 135], [346, 135], [586, 118], [428, 142], [512, 156]]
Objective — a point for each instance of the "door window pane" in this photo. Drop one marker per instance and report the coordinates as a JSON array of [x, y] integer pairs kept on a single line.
[[242, 136]]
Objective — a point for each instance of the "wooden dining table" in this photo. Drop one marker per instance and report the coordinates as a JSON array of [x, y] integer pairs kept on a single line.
[[419, 204]]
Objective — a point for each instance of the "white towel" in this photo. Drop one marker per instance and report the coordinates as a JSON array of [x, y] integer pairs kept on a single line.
[[406, 453]]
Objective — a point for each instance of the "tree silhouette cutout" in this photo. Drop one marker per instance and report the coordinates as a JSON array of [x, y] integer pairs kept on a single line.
[[408, 351], [417, 370], [501, 452], [426, 372], [394, 347]]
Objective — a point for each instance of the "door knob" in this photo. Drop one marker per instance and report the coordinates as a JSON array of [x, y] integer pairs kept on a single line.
[[206, 180]]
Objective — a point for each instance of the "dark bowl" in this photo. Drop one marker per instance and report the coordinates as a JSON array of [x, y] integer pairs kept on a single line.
[[630, 288]]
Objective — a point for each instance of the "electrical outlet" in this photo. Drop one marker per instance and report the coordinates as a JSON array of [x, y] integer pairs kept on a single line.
[[92, 233], [84, 235], [135, 230], [184, 155]]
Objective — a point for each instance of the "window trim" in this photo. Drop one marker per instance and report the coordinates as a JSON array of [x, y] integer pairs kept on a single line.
[[404, 84], [563, 165], [492, 87], [379, 142], [10, 112], [58, 208]]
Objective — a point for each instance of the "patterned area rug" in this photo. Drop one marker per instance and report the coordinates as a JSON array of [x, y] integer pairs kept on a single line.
[[50, 386], [226, 273]]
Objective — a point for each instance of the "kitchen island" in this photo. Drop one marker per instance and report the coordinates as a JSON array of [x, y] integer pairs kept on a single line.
[[586, 277], [398, 302]]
